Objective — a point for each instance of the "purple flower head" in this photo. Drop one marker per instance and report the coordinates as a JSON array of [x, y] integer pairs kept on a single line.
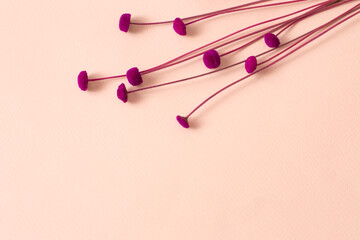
[[124, 22], [134, 77], [271, 40], [250, 64], [179, 27], [211, 59], [83, 80], [183, 121], [122, 93]]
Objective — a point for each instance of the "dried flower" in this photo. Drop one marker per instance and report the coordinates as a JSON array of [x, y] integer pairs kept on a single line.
[[271, 40], [250, 64], [122, 93], [211, 59], [124, 22], [179, 27], [83, 80], [210, 52], [183, 121], [134, 77]]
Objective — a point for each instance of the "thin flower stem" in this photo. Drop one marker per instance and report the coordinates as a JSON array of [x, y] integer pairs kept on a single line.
[[105, 78], [286, 24], [300, 19], [245, 8], [286, 27], [253, 40], [151, 23], [312, 32], [205, 14], [276, 61], [227, 9]]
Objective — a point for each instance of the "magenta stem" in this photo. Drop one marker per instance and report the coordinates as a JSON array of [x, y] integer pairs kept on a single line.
[[274, 62], [151, 23], [105, 78], [227, 9], [310, 33], [301, 18], [245, 8], [204, 14], [292, 21]]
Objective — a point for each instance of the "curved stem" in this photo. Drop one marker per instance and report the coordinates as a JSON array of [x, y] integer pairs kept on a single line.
[[245, 8], [205, 14], [298, 20], [274, 62], [286, 24], [312, 32]]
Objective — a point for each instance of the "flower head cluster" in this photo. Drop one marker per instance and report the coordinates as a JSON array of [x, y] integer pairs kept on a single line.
[[269, 31]]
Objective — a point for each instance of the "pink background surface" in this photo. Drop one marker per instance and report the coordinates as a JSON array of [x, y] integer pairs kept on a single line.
[[276, 157]]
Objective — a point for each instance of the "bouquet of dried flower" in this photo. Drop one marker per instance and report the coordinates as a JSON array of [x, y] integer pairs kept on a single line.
[[269, 30]]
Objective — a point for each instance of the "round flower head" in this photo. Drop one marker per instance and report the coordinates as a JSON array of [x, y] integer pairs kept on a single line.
[[83, 80], [271, 40], [211, 59], [122, 93], [183, 121], [134, 77], [124, 22], [179, 27], [250, 64]]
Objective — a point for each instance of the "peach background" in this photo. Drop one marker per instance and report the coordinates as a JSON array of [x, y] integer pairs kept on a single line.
[[276, 157]]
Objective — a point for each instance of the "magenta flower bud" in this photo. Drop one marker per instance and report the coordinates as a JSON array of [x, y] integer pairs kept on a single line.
[[124, 22], [122, 93], [271, 40], [183, 121], [250, 64], [134, 77], [83, 80], [179, 27], [211, 59]]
